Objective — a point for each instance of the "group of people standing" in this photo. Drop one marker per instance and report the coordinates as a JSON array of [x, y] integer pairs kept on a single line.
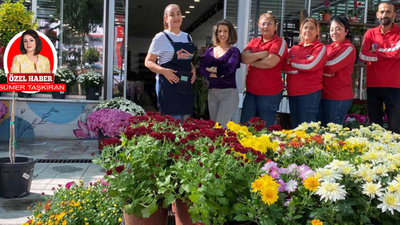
[[319, 79]]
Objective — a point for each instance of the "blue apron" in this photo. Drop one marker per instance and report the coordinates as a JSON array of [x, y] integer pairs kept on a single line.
[[177, 98]]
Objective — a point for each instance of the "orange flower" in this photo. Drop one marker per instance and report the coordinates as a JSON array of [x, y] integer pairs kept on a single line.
[[47, 206], [317, 222]]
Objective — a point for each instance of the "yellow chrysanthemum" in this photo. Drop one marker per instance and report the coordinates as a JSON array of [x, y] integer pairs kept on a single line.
[[311, 183], [269, 195], [257, 185], [317, 222]]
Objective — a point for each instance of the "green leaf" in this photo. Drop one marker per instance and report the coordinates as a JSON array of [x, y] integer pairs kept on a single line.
[[146, 212], [241, 217], [194, 197]]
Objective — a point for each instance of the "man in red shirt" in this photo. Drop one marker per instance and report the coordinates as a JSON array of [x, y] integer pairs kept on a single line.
[[381, 51]]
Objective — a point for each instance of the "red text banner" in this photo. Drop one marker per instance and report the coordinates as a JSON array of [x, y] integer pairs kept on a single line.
[[30, 78], [33, 87]]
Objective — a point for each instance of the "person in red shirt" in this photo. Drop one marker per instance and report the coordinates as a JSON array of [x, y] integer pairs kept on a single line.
[[304, 67], [381, 51], [265, 56], [337, 91]]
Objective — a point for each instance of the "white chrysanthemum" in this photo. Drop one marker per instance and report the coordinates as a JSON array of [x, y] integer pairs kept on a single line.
[[372, 189], [394, 186], [329, 174], [338, 165], [390, 202], [380, 170], [331, 191], [291, 186], [364, 172], [328, 137]]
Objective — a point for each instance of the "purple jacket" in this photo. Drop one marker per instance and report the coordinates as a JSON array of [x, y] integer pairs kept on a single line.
[[226, 67]]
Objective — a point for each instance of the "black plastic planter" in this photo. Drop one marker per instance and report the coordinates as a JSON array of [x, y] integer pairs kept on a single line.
[[92, 94], [16, 178], [58, 94]]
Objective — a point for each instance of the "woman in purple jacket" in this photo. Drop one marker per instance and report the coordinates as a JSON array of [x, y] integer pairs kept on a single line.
[[218, 66]]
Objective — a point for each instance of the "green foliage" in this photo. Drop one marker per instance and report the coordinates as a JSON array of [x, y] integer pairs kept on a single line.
[[65, 76], [84, 16], [14, 18], [200, 92], [77, 204], [91, 80], [138, 169], [121, 104], [3, 77], [92, 56]]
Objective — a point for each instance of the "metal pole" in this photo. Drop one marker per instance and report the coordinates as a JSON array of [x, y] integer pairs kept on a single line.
[[61, 34], [108, 50], [225, 8], [126, 46], [34, 9], [256, 18], [282, 18], [243, 18], [366, 11], [361, 82], [244, 7]]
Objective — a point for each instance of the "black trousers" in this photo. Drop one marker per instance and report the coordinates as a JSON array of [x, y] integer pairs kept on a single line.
[[376, 96]]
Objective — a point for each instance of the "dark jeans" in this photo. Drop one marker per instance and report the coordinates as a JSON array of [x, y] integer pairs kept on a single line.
[[391, 97], [263, 106], [304, 108], [333, 111]]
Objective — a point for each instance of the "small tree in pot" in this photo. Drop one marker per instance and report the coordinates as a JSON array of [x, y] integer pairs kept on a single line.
[[15, 172]]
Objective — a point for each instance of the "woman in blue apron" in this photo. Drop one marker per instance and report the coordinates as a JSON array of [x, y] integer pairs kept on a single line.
[[173, 49]]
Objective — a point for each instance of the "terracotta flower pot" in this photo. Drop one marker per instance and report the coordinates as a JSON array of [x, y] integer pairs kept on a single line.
[[160, 217], [326, 16], [353, 19], [182, 215]]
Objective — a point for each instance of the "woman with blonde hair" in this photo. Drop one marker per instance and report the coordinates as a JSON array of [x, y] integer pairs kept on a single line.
[[173, 50], [265, 56], [218, 65], [305, 65]]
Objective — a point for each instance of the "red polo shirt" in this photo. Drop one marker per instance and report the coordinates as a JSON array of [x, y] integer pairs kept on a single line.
[[266, 81], [340, 63], [309, 61], [384, 60]]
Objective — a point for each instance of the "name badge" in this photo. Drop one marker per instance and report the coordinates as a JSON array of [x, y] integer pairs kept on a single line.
[[184, 78]]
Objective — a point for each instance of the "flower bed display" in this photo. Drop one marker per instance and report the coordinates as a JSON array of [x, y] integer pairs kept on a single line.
[[77, 204], [309, 175]]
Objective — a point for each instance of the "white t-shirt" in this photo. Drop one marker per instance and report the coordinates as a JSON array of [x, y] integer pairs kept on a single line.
[[162, 47]]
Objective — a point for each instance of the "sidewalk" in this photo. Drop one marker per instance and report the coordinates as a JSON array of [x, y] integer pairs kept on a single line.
[[48, 175]]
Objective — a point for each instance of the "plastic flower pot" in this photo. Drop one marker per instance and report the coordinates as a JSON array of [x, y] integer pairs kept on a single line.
[[16, 178], [58, 94], [92, 93]]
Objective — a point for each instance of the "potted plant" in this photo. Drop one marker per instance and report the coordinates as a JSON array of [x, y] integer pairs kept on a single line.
[[326, 14], [353, 15], [67, 206], [92, 82], [3, 78], [120, 104], [138, 169], [3, 110], [15, 172], [14, 18], [63, 76]]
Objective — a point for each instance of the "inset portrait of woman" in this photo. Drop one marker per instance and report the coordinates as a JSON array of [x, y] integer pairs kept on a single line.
[[30, 60]]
